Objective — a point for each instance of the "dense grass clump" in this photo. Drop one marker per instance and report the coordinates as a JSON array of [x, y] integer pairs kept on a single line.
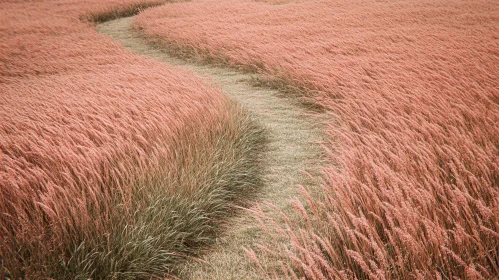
[[111, 165], [171, 212], [412, 87]]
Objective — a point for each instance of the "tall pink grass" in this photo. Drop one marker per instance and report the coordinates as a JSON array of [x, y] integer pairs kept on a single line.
[[413, 87], [98, 147]]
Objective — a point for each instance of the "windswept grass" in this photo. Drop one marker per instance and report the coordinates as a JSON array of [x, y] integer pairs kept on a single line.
[[413, 86], [112, 166]]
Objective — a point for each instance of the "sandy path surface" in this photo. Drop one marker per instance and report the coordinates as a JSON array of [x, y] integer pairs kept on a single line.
[[293, 149]]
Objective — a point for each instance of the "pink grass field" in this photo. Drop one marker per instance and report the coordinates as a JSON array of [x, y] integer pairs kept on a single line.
[[81, 121], [413, 88]]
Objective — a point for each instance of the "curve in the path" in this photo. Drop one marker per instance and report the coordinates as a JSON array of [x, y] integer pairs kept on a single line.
[[293, 149]]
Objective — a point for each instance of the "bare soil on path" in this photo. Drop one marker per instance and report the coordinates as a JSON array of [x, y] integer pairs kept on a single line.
[[293, 150]]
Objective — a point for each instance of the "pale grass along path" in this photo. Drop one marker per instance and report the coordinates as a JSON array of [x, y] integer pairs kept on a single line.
[[294, 149]]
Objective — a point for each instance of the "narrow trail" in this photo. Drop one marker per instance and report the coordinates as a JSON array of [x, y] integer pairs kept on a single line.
[[293, 149]]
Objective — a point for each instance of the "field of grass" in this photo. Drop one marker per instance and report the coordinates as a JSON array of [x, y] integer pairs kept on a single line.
[[112, 166], [414, 89]]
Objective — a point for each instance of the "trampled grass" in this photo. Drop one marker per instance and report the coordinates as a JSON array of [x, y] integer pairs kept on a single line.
[[111, 165], [414, 86]]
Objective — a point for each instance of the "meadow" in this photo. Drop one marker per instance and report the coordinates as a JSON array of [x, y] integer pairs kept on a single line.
[[112, 165], [413, 88]]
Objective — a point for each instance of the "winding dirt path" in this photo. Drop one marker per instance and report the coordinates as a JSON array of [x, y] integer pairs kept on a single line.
[[293, 149]]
